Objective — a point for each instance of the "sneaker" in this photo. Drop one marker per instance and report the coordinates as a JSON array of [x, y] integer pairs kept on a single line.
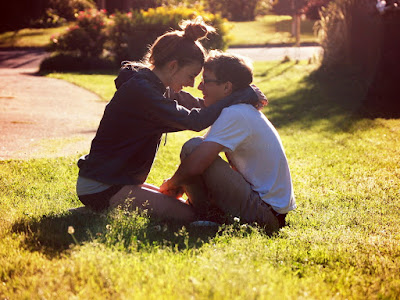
[[204, 224]]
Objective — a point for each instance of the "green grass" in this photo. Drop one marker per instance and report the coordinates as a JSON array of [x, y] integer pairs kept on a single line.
[[270, 30], [29, 37], [101, 84], [342, 242]]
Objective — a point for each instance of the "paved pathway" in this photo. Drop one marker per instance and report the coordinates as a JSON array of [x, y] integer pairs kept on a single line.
[[278, 53], [40, 116]]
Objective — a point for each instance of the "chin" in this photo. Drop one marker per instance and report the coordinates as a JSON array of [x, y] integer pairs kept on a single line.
[[177, 89]]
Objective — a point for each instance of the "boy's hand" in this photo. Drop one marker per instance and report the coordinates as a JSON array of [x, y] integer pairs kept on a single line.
[[170, 190]]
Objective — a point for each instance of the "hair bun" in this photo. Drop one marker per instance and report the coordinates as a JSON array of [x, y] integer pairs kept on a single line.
[[196, 29]]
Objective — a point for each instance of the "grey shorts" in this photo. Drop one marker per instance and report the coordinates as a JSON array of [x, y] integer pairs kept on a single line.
[[100, 201]]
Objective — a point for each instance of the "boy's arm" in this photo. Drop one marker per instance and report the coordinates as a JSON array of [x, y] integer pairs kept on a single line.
[[194, 164]]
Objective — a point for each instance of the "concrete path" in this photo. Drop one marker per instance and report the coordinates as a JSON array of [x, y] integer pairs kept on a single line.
[[278, 53], [40, 116]]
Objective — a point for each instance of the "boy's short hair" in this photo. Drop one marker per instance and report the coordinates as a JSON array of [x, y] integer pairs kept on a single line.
[[229, 67]]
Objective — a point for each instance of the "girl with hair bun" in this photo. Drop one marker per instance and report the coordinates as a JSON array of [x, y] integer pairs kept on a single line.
[[149, 102]]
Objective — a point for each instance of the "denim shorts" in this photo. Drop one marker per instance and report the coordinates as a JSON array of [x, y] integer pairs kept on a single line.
[[100, 201]]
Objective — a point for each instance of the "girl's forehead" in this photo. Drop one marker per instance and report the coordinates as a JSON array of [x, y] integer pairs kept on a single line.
[[194, 68]]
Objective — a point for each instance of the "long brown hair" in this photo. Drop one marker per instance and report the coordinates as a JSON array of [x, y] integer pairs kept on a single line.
[[181, 45]]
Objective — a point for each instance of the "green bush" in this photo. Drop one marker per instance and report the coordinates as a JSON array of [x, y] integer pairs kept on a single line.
[[127, 36], [50, 19], [348, 32], [130, 34], [84, 39], [61, 62], [234, 10], [69, 9]]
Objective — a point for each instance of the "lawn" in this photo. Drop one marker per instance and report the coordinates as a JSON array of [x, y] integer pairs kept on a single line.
[[29, 37], [270, 30], [341, 243]]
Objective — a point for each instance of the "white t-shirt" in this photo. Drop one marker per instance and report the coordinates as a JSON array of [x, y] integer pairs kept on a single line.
[[254, 147]]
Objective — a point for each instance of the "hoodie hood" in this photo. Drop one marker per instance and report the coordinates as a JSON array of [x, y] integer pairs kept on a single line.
[[129, 71]]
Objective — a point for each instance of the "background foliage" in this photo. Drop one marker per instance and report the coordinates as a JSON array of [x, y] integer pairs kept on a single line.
[[86, 37], [131, 33], [39, 13], [350, 33], [125, 36]]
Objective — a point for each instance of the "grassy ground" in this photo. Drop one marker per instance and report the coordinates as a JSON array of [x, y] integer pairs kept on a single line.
[[270, 30], [341, 243], [29, 37]]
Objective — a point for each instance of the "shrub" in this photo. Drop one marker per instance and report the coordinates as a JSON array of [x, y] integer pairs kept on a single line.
[[234, 10], [348, 31], [127, 36], [131, 33], [86, 38], [69, 8], [62, 62], [48, 20], [313, 7]]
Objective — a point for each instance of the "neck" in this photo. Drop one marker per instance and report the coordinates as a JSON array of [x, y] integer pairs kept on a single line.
[[161, 74]]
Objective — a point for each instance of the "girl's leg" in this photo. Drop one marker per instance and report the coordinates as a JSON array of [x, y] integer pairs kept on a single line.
[[157, 204], [150, 187], [196, 191]]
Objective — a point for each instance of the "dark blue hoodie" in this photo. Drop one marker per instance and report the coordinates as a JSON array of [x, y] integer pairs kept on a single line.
[[130, 131]]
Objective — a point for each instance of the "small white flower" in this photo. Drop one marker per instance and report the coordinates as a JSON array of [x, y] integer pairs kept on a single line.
[[71, 230], [236, 219], [381, 6]]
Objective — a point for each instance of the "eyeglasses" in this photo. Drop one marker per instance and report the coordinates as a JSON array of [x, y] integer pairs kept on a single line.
[[205, 81]]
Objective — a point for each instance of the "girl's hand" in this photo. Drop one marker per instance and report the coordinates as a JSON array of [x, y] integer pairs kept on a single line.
[[262, 99], [168, 189]]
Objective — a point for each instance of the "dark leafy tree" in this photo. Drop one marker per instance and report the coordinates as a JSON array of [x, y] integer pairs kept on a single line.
[[234, 10], [383, 95], [365, 37]]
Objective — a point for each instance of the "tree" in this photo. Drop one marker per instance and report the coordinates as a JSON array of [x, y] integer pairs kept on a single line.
[[355, 34], [234, 10], [383, 95], [297, 8], [293, 8]]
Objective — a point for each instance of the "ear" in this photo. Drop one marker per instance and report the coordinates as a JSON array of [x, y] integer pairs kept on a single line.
[[228, 87], [172, 66]]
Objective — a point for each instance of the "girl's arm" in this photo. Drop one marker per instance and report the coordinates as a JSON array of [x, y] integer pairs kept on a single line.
[[186, 99]]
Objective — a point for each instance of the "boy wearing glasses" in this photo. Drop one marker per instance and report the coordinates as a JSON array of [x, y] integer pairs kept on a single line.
[[255, 184]]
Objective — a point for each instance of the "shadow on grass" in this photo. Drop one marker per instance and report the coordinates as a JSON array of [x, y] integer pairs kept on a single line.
[[125, 231], [334, 97]]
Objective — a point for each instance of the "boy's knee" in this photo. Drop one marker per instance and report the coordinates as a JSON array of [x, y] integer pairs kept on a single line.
[[190, 145]]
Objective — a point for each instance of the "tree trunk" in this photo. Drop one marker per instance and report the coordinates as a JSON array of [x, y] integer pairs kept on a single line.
[[383, 98], [298, 29]]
